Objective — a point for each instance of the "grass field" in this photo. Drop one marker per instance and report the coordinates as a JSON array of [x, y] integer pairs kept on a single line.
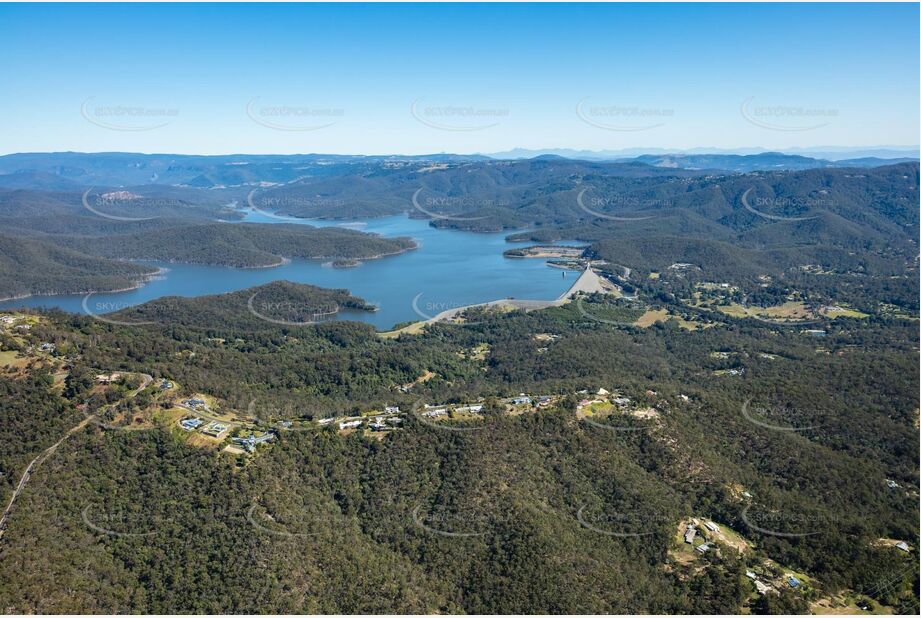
[[10, 358]]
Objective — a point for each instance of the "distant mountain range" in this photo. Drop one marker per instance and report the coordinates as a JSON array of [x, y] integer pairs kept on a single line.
[[831, 153], [66, 171]]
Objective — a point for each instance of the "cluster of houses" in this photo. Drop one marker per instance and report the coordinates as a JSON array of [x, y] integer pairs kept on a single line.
[[391, 416], [214, 429], [435, 411], [512, 404], [376, 423], [691, 534]]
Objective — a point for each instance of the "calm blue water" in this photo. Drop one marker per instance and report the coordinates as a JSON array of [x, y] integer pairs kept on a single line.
[[449, 269]]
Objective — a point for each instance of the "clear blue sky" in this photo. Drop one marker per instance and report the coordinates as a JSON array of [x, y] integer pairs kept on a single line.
[[204, 78]]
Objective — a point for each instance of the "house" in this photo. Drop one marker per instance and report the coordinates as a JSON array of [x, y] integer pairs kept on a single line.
[[544, 400], [166, 385], [325, 421], [285, 424], [107, 379], [684, 397], [46, 347], [215, 429], [689, 534], [745, 494], [750, 575], [521, 400], [793, 581], [602, 392], [473, 408], [436, 413], [712, 527], [395, 420], [392, 409], [902, 545], [7, 319], [815, 332], [621, 401], [378, 426], [702, 548], [250, 442], [761, 587], [194, 403], [349, 424], [891, 484], [190, 424]]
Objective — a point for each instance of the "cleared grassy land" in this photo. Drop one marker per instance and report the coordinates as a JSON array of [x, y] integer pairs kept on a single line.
[[11, 358], [843, 312], [662, 315]]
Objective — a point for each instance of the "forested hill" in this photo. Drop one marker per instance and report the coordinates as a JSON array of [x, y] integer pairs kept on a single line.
[[29, 267], [61, 264], [553, 509], [269, 307], [242, 245]]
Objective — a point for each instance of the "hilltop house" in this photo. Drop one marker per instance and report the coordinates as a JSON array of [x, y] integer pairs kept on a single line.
[[215, 429], [190, 424]]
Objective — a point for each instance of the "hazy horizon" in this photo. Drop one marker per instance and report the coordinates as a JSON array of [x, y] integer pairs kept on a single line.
[[889, 151]]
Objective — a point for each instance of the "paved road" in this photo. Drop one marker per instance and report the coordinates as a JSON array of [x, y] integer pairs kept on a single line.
[[48, 452]]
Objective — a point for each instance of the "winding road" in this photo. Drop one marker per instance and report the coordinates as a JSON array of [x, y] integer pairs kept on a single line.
[[48, 452]]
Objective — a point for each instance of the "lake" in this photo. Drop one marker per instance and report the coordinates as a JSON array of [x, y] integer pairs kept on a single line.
[[449, 269]]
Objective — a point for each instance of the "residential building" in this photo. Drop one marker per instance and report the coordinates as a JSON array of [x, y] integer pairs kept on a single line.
[[190, 424]]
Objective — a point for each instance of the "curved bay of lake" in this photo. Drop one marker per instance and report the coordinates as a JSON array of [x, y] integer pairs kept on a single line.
[[449, 269]]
